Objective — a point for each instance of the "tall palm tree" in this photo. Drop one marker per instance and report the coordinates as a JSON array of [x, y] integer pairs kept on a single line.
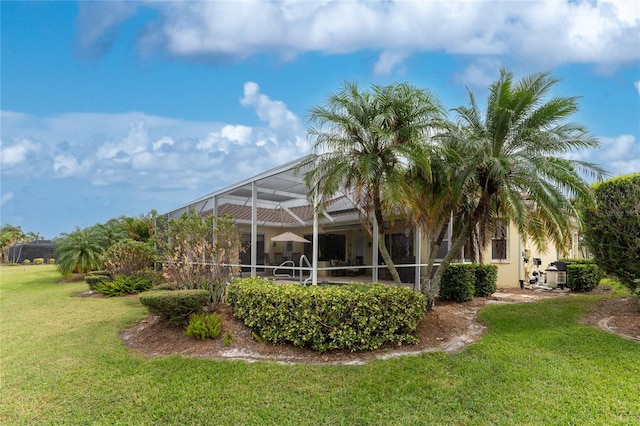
[[511, 160], [79, 251], [365, 141]]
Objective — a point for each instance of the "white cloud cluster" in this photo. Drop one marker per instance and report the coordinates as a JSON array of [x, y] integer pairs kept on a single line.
[[546, 32], [151, 152], [618, 155]]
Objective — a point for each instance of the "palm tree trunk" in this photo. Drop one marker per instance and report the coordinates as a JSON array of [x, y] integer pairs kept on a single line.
[[387, 259], [382, 245], [426, 281], [480, 210]]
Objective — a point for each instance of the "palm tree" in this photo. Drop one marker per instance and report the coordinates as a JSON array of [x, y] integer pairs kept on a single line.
[[510, 162], [79, 251], [365, 141]]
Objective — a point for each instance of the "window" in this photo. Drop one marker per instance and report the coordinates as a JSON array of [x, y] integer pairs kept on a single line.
[[499, 241]]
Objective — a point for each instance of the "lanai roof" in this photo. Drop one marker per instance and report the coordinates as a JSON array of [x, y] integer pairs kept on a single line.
[[281, 200]]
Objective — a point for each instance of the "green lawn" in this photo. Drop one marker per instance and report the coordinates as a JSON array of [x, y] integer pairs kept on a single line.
[[62, 363]]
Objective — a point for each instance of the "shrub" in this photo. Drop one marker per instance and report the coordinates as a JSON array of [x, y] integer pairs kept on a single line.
[[227, 339], [38, 261], [486, 278], [197, 251], [611, 228], [26, 262], [123, 284], [351, 317], [175, 306], [204, 326], [458, 283], [583, 277], [129, 257], [94, 280], [52, 261]]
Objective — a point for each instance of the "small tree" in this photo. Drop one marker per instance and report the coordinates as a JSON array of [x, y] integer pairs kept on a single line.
[[129, 257], [10, 235], [196, 251], [612, 227], [79, 251]]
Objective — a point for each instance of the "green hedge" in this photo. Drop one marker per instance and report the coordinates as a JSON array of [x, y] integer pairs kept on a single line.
[[458, 283], [583, 276], [486, 279], [175, 306], [352, 317]]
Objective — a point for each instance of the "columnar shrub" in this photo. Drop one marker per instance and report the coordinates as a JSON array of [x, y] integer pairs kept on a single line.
[[583, 277], [458, 283], [175, 306], [204, 326], [486, 278], [351, 317]]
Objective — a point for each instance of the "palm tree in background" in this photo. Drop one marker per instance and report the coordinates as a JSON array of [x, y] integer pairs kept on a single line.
[[510, 162], [79, 251], [365, 142]]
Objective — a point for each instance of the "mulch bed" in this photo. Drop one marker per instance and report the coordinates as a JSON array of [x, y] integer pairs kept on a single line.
[[448, 327]]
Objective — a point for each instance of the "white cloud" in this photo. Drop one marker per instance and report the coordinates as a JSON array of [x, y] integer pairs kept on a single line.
[[17, 153], [68, 165], [547, 32], [388, 61], [151, 152], [6, 197], [637, 85], [617, 155]]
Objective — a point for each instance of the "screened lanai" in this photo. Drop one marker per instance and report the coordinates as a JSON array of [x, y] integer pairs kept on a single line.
[[276, 201]]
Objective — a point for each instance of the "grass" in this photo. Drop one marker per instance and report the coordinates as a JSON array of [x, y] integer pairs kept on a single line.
[[62, 363]]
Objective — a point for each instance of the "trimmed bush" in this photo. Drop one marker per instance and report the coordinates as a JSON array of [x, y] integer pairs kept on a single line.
[[38, 261], [93, 280], [458, 283], [26, 262], [204, 326], [123, 285], [350, 317], [175, 306], [583, 277], [486, 278], [52, 261]]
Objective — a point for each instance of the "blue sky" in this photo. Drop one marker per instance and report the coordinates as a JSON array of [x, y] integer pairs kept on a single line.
[[116, 108]]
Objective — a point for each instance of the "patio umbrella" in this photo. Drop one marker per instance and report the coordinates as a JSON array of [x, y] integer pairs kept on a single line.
[[290, 236]]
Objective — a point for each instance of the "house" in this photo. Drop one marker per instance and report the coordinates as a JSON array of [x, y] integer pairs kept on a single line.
[[276, 201]]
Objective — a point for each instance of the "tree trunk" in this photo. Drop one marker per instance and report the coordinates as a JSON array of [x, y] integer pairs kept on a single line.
[[426, 287], [387, 259], [481, 209], [382, 245]]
